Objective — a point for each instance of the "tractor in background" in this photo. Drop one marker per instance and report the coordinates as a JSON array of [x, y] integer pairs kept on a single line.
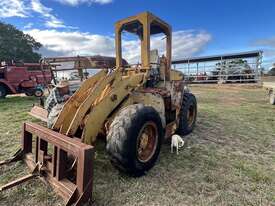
[[28, 78]]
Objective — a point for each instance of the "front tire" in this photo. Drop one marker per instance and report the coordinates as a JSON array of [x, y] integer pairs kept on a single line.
[[38, 92], [188, 114], [134, 139]]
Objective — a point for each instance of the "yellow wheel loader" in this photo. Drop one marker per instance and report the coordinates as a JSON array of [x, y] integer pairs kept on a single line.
[[134, 106]]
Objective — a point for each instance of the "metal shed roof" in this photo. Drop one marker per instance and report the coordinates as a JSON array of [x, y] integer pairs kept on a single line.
[[249, 54]]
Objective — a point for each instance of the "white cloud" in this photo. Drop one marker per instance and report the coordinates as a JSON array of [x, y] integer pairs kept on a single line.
[[268, 42], [51, 20], [73, 43], [184, 43], [38, 7], [267, 45], [55, 23], [270, 53], [28, 26], [12, 8], [64, 43], [89, 2], [26, 8]]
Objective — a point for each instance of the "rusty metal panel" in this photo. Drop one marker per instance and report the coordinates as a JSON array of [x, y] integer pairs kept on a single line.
[[52, 165]]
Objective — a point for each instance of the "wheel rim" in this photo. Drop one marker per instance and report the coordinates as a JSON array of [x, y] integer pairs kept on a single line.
[[147, 142], [38, 93], [191, 115]]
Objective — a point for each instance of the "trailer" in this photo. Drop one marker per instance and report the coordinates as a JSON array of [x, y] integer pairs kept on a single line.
[[28, 78]]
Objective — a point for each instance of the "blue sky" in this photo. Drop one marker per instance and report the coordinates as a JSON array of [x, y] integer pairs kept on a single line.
[[201, 27]]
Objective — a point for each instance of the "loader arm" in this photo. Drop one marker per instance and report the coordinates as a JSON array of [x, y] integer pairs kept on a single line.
[[103, 108], [97, 91], [67, 114], [90, 106]]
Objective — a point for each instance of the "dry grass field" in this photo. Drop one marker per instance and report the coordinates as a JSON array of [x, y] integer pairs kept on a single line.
[[228, 160]]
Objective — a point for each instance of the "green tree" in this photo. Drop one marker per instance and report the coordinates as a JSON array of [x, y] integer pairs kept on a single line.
[[17, 46]]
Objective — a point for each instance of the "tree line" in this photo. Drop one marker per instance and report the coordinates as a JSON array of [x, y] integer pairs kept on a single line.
[[15, 46]]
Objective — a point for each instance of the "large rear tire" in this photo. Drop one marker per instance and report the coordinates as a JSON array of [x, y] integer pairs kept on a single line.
[[3, 92], [134, 139], [188, 114]]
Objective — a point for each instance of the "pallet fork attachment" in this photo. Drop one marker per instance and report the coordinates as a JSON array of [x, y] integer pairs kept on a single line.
[[73, 182]]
